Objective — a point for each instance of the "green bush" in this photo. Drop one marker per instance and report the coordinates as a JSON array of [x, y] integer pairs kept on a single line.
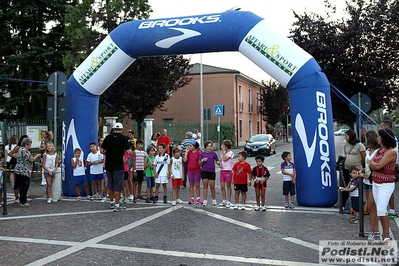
[[227, 131]]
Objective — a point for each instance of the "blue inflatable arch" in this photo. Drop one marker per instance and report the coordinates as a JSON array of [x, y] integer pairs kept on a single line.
[[309, 89]]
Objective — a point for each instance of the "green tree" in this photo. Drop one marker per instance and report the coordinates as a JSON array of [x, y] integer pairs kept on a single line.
[[32, 46], [274, 102], [357, 52]]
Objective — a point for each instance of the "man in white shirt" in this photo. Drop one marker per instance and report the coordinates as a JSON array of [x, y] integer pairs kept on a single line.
[[197, 136]]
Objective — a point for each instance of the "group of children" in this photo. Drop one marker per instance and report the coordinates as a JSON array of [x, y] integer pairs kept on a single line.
[[156, 167]]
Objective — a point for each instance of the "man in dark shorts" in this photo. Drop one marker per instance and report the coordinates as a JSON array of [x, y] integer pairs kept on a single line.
[[114, 146]]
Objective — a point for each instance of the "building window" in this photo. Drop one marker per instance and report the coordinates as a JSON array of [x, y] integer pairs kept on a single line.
[[240, 103], [250, 101], [250, 128], [240, 129], [258, 127], [257, 102]]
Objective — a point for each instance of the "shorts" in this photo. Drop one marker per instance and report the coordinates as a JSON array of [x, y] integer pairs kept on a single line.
[[115, 180], [208, 175], [194, 178], [355, 203], [241, 187], [96, 176], [288, 188], [367, 188], [150, 181], [81, 179], [260, 186], [161, 180], [177, 183], [46, 175], [125, 175], [226, 176], [139, 177]]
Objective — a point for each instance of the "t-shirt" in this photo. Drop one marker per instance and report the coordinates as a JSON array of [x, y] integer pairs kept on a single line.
[[8, 150], [50, 162], [193, 162], [209, 165], [165, 140], [95, 169], [184, 145], [228, 165], [354, 183], [79, 170], [115, 146], [126, 165], [162, 163], [140, 157], [353, 158], [177, 167], [240, 172], [289, 168], [261, 172], [149, 170]]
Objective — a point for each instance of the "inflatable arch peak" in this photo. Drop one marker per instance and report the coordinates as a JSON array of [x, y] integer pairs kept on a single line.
[[309, 89]]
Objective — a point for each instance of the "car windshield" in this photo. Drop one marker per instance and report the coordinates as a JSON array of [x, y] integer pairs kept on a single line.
[[259, 138]]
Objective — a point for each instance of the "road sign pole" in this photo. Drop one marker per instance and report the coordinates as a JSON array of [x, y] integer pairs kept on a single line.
[[218, 136], [55, 109]]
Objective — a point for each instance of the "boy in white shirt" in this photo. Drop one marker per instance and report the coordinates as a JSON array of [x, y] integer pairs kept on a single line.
[[96, 162], [161, 171], [176, 173]]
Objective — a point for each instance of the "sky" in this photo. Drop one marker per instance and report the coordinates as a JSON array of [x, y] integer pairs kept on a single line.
[[278, 14]]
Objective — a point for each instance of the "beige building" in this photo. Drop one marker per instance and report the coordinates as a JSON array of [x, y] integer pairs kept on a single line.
[[239, 94]]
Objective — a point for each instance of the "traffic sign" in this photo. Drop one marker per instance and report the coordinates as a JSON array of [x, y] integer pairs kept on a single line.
[[57, 81], [365, 103], [218, 110]]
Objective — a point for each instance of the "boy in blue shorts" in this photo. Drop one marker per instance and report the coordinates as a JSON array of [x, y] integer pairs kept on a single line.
[[79, 175], [289, 178], [96, 162]]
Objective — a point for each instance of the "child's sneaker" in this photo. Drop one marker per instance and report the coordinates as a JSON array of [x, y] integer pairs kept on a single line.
[[292, 205], [131, 197], [355, 221], [125, 200], [263, 208], [192, 201], [236, 207], [148, 200], [370, 236], [49, 201], [104, 199], [179, 201], [119, 208], [204, 203], [286, 205], [173, 203], [89, 197], [155, 199], [256, 208], [79, 198], [112, 205], [199, 201], [228, 204], [214, 202], [243, 207], [223, 203], [165, 199]]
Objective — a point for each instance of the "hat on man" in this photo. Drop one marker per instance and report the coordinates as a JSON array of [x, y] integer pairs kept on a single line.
[[192, 142], [118, 126]]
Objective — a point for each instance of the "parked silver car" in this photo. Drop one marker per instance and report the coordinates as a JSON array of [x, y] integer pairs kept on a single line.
[[261, 144]]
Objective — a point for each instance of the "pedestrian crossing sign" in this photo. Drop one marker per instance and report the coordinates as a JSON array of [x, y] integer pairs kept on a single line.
[[218, 110]]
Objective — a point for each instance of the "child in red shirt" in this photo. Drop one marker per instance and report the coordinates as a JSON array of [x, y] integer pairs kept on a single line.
[[260, 175], [241, 179]]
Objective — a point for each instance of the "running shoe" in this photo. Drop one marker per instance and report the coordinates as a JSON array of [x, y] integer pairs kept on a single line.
[[192, 201], [286, 205], [256, 208], [236, 207], [199, 201], [179, 201], [49, 201], [228, 204], [204, 203], [263, 208], [223, 203], [173, 203], [214, 202]]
